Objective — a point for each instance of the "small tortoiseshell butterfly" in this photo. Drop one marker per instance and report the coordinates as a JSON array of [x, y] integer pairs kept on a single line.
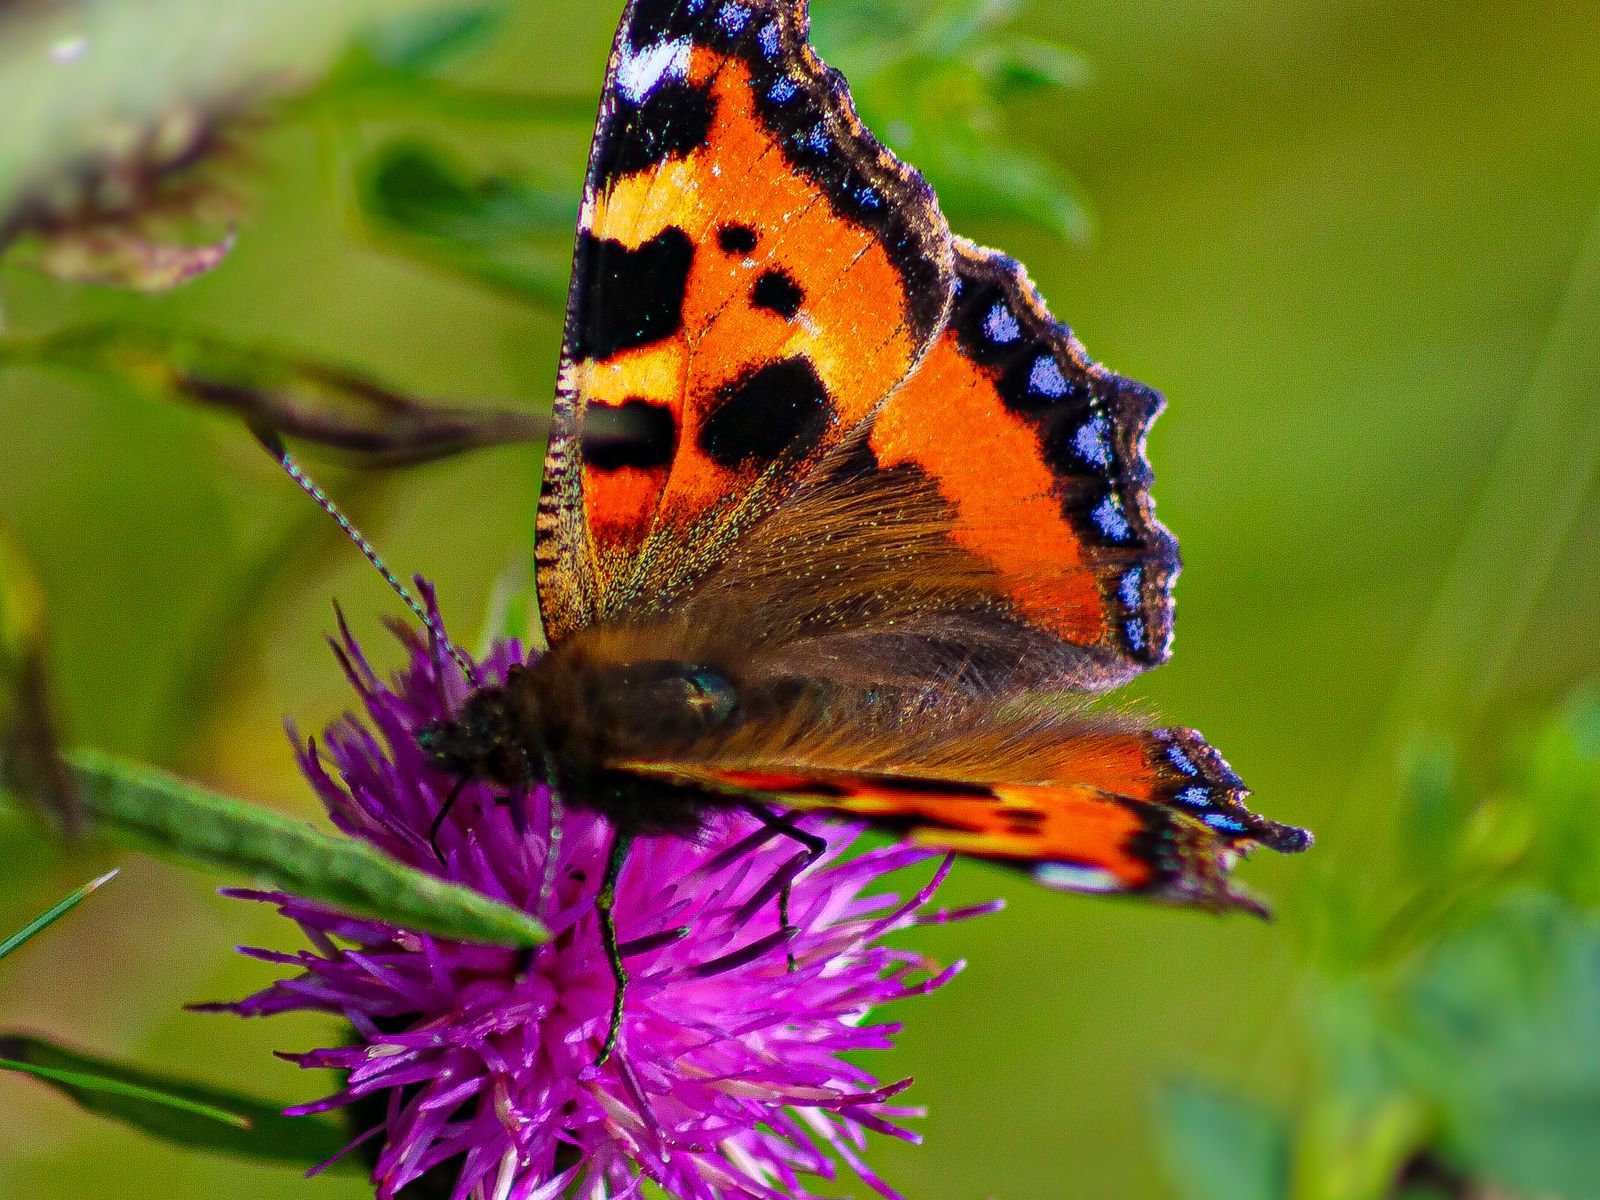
[[835, 515]]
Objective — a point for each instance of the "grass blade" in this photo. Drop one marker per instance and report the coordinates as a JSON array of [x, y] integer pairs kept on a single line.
[[44, 920], [78, 1081], [192, 1115]]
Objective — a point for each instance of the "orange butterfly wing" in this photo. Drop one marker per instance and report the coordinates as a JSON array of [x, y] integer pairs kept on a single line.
[[1157, 813], [754, 274], [779, 363], [1040, 454]]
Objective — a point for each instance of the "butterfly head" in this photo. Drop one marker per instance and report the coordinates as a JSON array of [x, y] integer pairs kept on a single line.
[[568, 715], [488, 738]]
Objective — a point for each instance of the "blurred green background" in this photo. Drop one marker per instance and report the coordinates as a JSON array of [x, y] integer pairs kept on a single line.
[[1356, 245]]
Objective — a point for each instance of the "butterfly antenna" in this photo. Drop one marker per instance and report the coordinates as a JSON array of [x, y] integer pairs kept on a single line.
[[274, 445]]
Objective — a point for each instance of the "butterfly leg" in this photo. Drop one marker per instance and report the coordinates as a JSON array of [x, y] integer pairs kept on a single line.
[[605, 903], [813, 847], [439, 818]]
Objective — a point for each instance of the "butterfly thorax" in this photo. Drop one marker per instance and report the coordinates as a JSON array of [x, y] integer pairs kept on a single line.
[[567, 722]]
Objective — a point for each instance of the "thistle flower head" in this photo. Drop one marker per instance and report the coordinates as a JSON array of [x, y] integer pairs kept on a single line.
[[731, 1078]]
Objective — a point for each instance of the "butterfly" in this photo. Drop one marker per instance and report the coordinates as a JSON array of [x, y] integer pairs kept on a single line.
[[835, 515]]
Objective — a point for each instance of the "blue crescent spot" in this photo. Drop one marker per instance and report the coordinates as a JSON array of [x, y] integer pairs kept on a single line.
[[1000, 325], [781, 92], [1046, 377], [1218, 821], [1179, 759], [869, 197], [732, 17], [818, 139], [1131, 587], [1108, 516], [1133, 630], [768, 38], [1194, 794], [1093, 440]]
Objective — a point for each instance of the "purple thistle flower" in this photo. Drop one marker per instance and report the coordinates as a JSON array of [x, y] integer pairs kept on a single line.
[[730, 1079]]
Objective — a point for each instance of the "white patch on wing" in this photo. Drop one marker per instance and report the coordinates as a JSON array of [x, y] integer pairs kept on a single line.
[[639, 73], [1074, 877]]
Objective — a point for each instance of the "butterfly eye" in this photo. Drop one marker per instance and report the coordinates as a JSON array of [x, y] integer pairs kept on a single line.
[[709, 694], [664, 702]]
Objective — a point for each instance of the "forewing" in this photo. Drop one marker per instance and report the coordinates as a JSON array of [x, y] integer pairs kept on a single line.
[[990, 534], [754, 274]]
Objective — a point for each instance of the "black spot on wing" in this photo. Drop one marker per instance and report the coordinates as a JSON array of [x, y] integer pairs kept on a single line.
[[671, 121], [650, 21], [807, 107], [737, 239], [777, 291], [815, 124], [777, 411], [635, 434], [635, 297], [1023, 821]]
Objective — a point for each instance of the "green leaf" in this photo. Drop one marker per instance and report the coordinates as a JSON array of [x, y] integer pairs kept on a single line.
[[395, 71], [509, 235], [44, 920], [1500, 1030], [151, 810], [936, 80], [995, 181], [1220, 1147], [1561, 792], [948, 30], [1018, 66], [191, 1115]]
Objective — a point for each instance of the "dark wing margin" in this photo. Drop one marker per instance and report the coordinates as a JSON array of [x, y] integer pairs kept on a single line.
[[753, 274], [1040, 451]]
